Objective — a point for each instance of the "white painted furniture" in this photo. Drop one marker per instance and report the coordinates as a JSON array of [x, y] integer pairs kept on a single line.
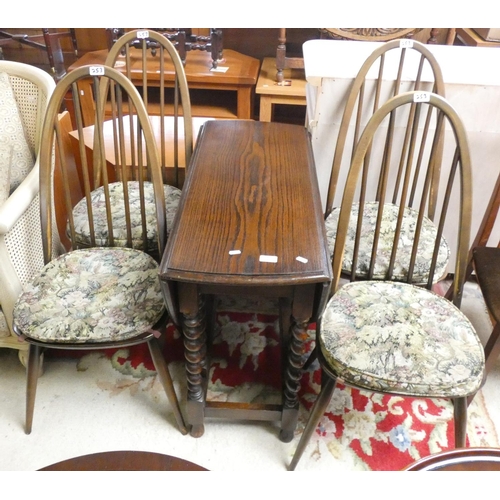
[[21, 253]]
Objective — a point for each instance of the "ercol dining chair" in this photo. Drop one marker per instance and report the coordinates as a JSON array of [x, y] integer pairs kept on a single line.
[[174, 132], [107, 293], [24, 93], [399, 65], [395, 67], [171, 102], [390, 336]]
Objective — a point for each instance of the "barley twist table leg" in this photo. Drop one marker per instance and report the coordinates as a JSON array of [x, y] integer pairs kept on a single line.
[[293, 375], [194, 331]]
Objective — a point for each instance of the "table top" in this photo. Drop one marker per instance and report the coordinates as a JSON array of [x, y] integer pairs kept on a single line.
[[460, 459], [267, 84], [470, 37], [250, 210], [241, 69], [124, 461]]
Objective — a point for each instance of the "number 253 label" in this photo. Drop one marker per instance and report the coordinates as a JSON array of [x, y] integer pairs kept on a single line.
[[421, 97], [96, 70]]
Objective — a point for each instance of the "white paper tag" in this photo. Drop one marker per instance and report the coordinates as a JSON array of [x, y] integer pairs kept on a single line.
[[302, 259], [405, 43], [421, 97], [219, 69], [268, 258], [143, 34], [96, 70], [234, 252]]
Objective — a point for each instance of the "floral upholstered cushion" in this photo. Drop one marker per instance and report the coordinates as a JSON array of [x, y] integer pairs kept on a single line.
[[172, 196], [400, 338], [92, 295], [17, 157], [388, 226]]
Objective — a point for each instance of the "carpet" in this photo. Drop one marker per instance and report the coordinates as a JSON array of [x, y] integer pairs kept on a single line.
[[369, 431]]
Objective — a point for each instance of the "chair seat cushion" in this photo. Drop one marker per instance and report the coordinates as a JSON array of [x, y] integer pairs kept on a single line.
[[406, 239], [91, 295], [402, 339], [172, 197], [17, 156]]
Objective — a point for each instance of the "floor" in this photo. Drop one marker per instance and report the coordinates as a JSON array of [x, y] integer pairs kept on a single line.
[[71, 422]]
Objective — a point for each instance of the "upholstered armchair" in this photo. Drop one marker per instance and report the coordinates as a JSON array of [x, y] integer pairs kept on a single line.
[[24, 93]]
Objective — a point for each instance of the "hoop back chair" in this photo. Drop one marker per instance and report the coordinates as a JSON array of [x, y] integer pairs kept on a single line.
[[392, 337], [173, 134], [169, 100], [21, 254], [106, 294], [384, 74]]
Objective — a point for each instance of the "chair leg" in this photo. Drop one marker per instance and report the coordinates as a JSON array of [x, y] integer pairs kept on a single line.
[[317, 411], [166, 381], [492, 348], [311, 359], [32, 373], [460, 415]]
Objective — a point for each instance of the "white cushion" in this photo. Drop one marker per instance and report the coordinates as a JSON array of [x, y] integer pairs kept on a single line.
[[12, 135]]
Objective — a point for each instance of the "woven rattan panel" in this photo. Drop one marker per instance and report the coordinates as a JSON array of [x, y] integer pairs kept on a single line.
[[24, 243], [26, 94]]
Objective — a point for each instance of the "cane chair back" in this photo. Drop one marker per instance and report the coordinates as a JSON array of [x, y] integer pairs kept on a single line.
[[392, 337], [395, 67], [105, 293], [21, 255], [166, 98]]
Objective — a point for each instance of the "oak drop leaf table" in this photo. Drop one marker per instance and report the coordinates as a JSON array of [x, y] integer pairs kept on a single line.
[[249, 223]]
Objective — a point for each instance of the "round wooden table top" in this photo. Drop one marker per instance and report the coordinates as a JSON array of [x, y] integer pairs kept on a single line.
[[462, 459], [125, 461]]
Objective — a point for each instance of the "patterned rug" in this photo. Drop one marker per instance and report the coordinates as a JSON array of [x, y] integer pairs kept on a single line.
[[370, 431]]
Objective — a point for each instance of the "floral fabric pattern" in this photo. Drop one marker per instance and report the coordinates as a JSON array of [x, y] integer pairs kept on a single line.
[[92, 295], [399, 338], [172, 197], [385, 245]]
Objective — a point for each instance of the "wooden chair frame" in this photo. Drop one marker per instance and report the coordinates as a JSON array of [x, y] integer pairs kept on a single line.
[[182, 102], [53, 136], [356, 99], [460, 167]]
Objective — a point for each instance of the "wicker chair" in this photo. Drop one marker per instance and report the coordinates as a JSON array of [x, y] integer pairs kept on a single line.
[[21, 254]]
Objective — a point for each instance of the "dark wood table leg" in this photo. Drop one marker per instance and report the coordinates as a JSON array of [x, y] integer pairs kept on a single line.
[[301, 316], [193, 318]]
